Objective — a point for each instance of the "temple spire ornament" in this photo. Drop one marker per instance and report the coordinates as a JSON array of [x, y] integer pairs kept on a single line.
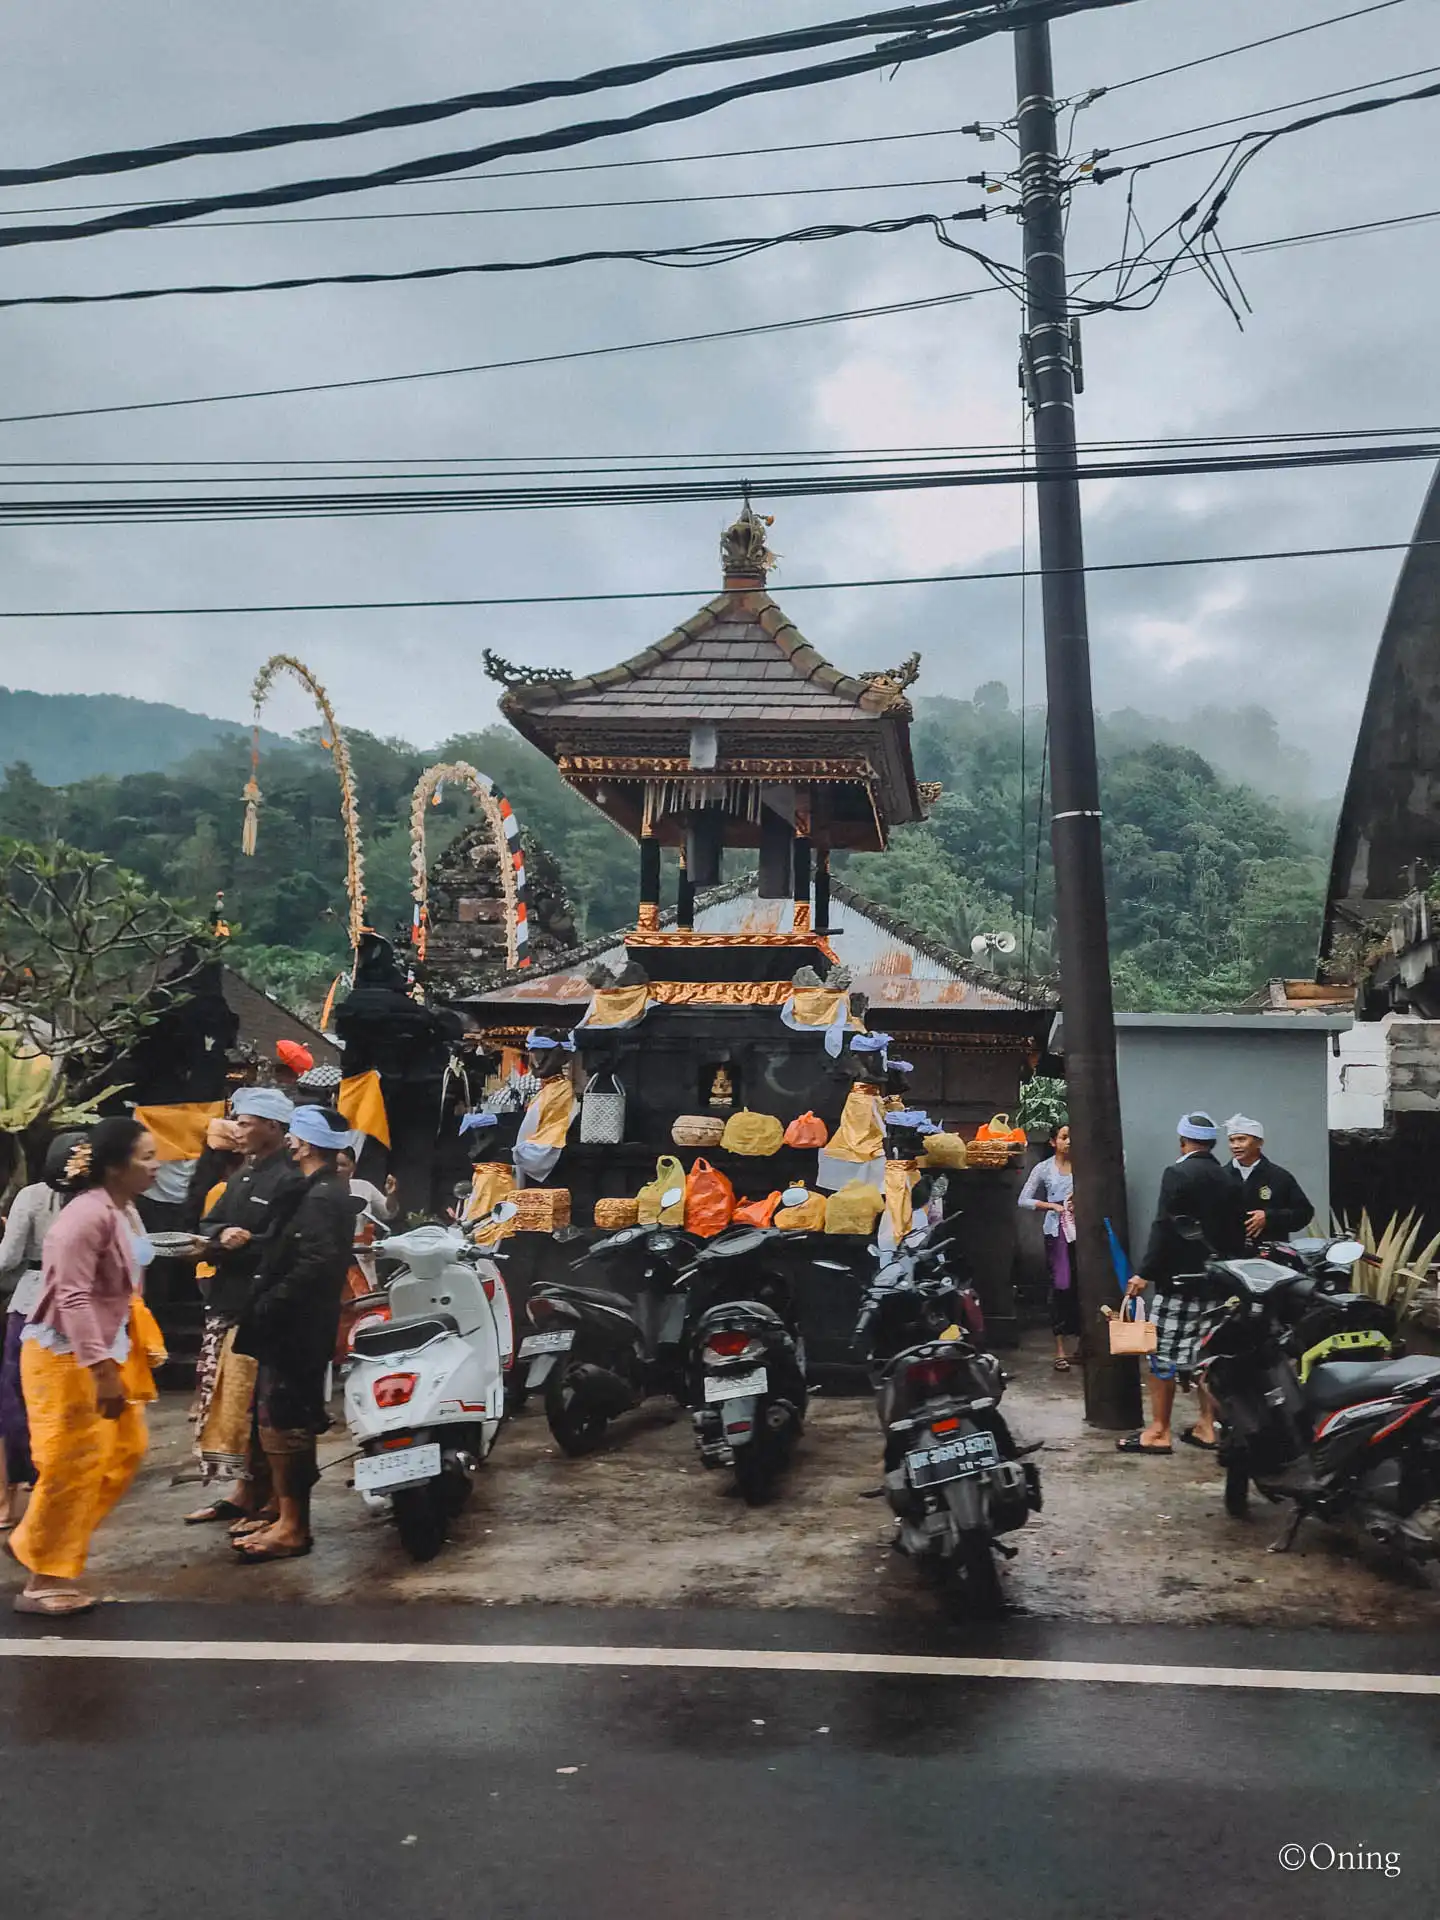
[[743, 548]]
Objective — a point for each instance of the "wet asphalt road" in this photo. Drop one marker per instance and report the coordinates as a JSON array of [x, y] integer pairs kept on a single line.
[[150, 1788]]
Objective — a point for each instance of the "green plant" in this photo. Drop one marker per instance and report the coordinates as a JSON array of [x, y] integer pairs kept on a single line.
[[1390, 1272], [1042, 1105]]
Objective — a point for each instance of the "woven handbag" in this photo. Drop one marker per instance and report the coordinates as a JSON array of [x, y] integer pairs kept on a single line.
[[602, 1114]]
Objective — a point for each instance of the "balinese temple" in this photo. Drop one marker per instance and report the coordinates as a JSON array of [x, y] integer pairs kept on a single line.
[[733, 742]]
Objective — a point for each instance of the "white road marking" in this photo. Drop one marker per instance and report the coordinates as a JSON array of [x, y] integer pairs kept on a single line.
[[714, 1660]]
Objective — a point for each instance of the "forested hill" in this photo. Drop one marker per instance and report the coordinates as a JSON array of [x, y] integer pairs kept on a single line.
[[1213, 887], [72, 736]]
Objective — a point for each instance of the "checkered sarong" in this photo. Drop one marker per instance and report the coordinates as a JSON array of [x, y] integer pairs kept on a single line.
[[1182, 1320]]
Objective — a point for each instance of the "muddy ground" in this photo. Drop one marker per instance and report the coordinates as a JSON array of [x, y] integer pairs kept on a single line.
[[643, 1524]]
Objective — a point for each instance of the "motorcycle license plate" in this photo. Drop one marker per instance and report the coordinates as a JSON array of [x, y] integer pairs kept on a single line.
[[379, 1471], [967, 1453], [535, 1343], [735, 1386]]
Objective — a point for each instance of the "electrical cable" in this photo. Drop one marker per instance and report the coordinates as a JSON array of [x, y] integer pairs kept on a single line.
[[893, 54], [920, 19], [703, 253], [1248, 46], [178, 509], [673, 340], [707, 592]]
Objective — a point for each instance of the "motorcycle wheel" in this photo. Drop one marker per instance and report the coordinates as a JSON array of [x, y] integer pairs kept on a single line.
[[972, 1579], [1237, 1489], [756, 1469], [422, 1517], [577, 1431]]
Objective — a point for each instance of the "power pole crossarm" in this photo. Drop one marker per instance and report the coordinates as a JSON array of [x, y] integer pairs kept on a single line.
[[1048, 348]]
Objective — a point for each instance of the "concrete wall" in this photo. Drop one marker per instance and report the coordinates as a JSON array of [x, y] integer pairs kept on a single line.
[[1273, 1067], [1360, 1077], [1414, 1063]]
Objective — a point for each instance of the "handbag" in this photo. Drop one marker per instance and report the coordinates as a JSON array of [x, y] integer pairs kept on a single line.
[[1132, 1331], [602, 1114]]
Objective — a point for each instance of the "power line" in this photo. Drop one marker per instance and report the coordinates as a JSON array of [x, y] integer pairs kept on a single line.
[[705, 253], [706, 592], [645, 346], [574, 166], [1002, 16], [176, 509], [1235, 119], [1248, 46], [632, 73]]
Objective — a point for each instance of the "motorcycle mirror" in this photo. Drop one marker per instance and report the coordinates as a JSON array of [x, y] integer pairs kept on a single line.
[[1344, 1253], [505, 1211], [672, 1196], [794, 1196], [1188, 1227]]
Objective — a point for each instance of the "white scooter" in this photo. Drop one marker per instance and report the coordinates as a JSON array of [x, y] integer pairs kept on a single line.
[[425, 1388]]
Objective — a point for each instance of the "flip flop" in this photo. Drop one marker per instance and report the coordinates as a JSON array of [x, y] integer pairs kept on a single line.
[[217, 1510], [1061, 1366], [1134, 1445], [59, 1604], [252, 1523], [1189, 1438], [259, 1554]]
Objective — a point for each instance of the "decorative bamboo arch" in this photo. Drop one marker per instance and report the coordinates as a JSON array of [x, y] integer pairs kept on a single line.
[[333, 740], [506, 831]]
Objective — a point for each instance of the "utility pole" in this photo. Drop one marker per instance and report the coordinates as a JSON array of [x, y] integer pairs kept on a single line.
[[1093, 1094]]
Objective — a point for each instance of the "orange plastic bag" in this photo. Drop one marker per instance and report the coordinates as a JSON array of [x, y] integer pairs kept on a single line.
[[709, 1200], [757, 1213], [805, 1130], [999, 1128]]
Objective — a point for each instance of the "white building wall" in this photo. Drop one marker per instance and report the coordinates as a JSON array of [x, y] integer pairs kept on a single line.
[[1359, 1076]]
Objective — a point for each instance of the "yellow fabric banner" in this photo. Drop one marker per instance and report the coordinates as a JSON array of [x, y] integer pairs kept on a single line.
[[618, 1006], [817, 1006], [900, 1177], [860, 1135], [363, 1105], [554, 1109], [180, 1130]]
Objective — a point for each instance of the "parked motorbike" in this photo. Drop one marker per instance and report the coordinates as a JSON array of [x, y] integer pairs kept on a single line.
[[954, 1477], [595, 1352], [1312, 1408], [425, 1384], [748, 1395]]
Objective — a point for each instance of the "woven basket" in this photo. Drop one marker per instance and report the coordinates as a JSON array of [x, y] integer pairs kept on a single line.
[[989, 1153], [541, 1209], [697, 1130], [614, 1214]]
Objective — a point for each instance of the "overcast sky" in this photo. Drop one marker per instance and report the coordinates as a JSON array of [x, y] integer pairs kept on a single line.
[[1342, 336]]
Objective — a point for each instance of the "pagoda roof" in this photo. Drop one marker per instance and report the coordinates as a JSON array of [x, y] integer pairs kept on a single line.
[[740, 658]]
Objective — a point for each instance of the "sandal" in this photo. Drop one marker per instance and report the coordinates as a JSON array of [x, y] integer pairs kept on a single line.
[[1061, 1364], [1136, 1445], [1190, 1438], [256, 1555], [56, 1603], [217, 1510], [253, 1523]]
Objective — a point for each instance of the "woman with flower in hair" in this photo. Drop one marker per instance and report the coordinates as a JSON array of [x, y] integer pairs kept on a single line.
[[85, 1360]]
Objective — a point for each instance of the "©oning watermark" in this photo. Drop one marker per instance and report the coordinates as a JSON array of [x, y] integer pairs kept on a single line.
[[1321, 1857]]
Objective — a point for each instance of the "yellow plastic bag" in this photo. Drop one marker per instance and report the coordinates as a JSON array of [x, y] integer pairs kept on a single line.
[[855, 1208], [669, 1178], [754, 1133], [808, 1217]]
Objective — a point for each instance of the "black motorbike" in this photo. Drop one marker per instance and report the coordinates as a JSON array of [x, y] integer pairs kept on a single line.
[[748, 1394], [954, 1477], [1312, 1409], [596, 1352]]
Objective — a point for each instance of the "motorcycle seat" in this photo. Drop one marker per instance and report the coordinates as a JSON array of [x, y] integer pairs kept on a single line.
[[395, 1335], [598, 1296], [1344, 1383]]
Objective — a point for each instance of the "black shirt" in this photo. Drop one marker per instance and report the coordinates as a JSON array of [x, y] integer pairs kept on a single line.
[[1199, 1188], [260, 1197], [1275, 1192]]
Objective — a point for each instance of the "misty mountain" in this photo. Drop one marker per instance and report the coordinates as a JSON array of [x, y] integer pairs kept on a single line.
[[75, 736]]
